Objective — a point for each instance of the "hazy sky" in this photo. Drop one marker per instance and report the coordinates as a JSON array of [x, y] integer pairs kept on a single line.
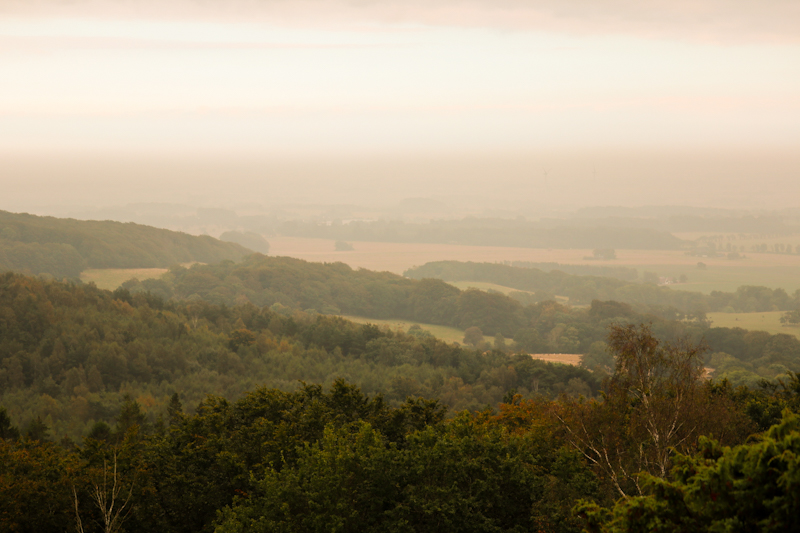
[[321, 78]]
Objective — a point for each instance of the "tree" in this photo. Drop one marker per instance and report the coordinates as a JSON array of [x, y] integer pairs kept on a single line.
[[109, 496], [465, 475], [752, 487], [37, 430], [473, 335], [131, 418], [175, 409], [791, 318], [7, 431], [35, 480], [499, 342], [604, 253], [343, 246], [655, 402]]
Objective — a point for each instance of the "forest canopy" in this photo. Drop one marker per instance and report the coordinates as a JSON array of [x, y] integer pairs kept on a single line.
[[65, 247]]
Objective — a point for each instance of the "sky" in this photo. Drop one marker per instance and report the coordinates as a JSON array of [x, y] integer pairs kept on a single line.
[[698, 93]]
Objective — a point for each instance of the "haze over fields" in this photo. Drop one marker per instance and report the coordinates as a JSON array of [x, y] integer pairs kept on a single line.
[[530, 108], [399, 265]]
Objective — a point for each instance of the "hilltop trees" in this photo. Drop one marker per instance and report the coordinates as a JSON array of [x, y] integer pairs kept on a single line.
[[65, 247]]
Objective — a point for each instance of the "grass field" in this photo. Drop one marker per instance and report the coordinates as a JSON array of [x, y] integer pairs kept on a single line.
[[464, 285], [111, 278], [769, 322], [441, 332]]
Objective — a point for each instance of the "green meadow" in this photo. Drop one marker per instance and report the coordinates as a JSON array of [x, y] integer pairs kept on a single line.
[[444, 333], [769, 322], [728, 277]]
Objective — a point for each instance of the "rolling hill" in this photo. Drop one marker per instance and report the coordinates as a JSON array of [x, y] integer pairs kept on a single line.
[[64, 247]]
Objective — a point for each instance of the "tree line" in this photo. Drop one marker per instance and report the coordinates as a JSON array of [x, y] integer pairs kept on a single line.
[[63, 248], [492, 232], [582, 289]]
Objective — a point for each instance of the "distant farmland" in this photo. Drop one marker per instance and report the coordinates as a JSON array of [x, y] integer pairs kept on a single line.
[[771, 270]]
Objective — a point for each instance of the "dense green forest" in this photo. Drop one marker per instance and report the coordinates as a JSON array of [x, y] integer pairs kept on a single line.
[[581, 289], [64, 247], [70, 353], [335, 288], [492, 232], [192, 409], [314, 460], [287, 285]]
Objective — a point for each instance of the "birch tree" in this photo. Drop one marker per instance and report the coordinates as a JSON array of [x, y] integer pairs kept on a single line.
[[651, 407]]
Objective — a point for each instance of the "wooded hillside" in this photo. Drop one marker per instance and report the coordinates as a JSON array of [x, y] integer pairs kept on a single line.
[[64, 247]]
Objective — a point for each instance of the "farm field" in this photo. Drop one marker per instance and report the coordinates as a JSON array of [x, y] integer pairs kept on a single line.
[[444, 333], [769, 322], [573, 359], [484, 286], [111, 278], [746, 240], [720, 274]]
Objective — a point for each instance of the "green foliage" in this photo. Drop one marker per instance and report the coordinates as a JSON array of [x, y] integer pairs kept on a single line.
[[343, 246], [335, 288], [64, 247], [7, 430], [70, 353], [465, 476], [654, 402], [248, 239], [582, 289], [72, 356], [35, 487], [473, 335], [604, 253], [309, 460], [750, 487], [791, 317]]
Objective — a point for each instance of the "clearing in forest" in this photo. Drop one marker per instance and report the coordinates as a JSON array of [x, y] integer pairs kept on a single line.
[[573, 359], [111, 278], [444, 333], [767, 321]]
